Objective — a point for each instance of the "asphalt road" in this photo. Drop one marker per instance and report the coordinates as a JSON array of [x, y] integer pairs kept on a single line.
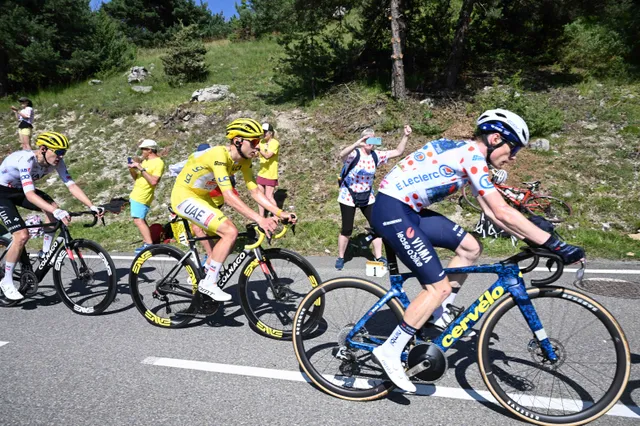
[[57, 367]]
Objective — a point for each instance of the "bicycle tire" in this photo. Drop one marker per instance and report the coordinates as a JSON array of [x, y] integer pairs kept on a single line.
[[94, 285], [582, 314], [551, 208], [315, 352], [270, 313], [156, 295], [467, 199], [4, 302]]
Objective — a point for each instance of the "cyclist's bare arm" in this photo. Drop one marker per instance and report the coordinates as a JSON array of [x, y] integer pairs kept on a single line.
[[79, 195], [510, 219], [233, 200]]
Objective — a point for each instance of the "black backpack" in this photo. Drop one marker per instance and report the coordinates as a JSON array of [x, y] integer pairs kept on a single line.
[[348, 167]]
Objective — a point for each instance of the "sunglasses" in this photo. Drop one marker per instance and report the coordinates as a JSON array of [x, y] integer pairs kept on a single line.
[[58, 152], [514, 148], [254, 142]]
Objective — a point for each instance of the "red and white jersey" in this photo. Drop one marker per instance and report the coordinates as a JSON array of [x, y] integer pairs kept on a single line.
[[437, 170], [21, 169]]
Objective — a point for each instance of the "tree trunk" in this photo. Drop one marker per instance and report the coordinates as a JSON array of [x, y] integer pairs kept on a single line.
[[4, 78], [398, 89], [457, 48]]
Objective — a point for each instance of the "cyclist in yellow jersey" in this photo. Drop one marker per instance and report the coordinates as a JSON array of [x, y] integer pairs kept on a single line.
[[204, 185]]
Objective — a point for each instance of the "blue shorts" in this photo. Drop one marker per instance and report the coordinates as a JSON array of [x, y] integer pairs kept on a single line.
[[413, 236], [138, 210]]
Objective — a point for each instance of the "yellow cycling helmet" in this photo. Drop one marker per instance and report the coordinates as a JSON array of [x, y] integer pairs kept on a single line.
[[53, 140], [245, 128]]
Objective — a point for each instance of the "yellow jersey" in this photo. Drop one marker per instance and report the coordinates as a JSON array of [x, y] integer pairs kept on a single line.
[[269, 166], [208, 173], [142, 190]]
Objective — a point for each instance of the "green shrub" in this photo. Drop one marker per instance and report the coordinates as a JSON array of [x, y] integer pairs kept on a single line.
[[595, 48], [185, 60], [541, 118]]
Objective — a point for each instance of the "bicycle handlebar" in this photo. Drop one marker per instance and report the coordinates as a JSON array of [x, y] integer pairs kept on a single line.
[[536, 253], [91, 212]]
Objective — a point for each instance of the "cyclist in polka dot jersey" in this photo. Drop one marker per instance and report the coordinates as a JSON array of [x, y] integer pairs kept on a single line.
[[401, 216]]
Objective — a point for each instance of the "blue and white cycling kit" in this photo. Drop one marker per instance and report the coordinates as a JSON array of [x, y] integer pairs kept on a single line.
[[423, 178]]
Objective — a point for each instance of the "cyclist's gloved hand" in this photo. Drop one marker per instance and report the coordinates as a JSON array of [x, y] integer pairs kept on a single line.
[[61, 215], [568, 253], [500, 176], [97, 210]]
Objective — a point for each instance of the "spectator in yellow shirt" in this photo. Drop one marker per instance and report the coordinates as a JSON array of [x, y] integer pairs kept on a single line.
[[269, 149], [146, 176]]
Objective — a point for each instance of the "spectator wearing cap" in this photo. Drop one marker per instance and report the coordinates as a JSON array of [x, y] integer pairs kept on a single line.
[[24, 115], [269, 149], [146, 175]]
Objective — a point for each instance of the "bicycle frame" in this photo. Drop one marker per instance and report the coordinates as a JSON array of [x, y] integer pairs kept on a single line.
[[225, 273], [52, 258], [514, 192], [509, 281]]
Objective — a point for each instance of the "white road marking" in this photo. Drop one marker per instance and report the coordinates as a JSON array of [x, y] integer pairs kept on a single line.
[[427, 390], [3, 343], [540, 269]]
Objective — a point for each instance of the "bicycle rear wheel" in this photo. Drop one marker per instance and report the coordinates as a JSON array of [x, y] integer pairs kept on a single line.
[[272, 287], [164, 288], [85, 277], [551, 208], [325, 355], [587, 380]]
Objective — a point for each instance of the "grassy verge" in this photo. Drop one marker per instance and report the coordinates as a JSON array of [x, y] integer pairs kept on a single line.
[[593, 162]]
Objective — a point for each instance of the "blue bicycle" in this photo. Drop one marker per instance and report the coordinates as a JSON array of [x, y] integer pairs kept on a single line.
[[548, 354]]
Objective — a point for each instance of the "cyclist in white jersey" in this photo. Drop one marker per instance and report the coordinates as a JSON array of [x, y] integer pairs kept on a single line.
[[18, 173], [401, 216]]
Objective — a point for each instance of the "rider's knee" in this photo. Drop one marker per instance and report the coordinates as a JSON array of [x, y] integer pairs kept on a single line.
[[227, 231], [470, 248], [21, 237]]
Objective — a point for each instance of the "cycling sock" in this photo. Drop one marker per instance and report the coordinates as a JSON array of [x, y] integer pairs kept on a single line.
[[8, 271], [47, 238], [399, 339], [213, 270]]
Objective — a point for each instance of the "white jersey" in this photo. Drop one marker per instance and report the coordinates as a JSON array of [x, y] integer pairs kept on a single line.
[[21, 169], [437, 170]]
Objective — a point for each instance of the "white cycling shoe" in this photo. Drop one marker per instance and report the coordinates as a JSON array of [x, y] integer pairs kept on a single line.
[[393, 367], [10, 291], [213, 291]]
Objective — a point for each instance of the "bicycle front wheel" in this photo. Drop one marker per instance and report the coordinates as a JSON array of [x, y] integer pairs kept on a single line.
[[272, 287], [164, 287], [468, 200], [551, 208], [85, 277], [593, 363], [327, 357]]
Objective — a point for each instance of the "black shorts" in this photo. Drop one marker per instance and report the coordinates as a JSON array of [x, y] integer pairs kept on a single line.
[[10, 199]]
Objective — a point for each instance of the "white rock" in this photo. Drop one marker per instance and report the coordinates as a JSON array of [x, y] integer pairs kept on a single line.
[[540, 145], [142, 89]]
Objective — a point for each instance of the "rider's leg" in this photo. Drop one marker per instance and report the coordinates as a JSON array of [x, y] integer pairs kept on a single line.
[[47, 238], [228, 234], [207, 244], [467, 254], [20, 239]]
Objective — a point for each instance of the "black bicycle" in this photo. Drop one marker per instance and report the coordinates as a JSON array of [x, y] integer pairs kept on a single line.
[[83, 272], [164, 283]]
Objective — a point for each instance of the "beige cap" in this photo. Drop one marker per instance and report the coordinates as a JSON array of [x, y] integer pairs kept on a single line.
[[148, 143]]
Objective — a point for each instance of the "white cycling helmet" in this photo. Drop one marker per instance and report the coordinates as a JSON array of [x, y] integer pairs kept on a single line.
[[510, 125]]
